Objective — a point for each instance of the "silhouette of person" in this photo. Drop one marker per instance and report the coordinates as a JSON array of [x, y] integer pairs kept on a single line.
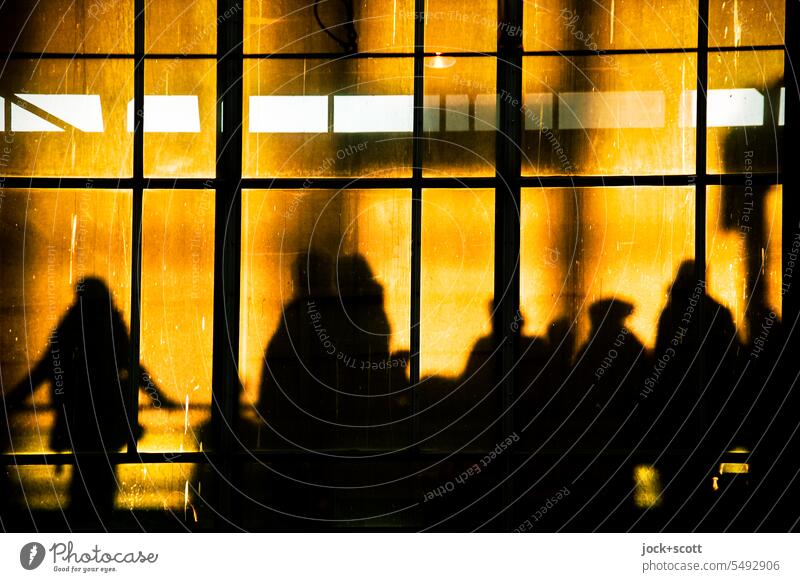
[[539, 374], [328, 364], [87, 368], [608, 370], [365, 367], [694, 368], [298, 371]]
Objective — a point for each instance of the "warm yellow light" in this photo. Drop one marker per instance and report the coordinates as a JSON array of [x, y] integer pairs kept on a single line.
[[440, 62], [647, 486], [734, 468]]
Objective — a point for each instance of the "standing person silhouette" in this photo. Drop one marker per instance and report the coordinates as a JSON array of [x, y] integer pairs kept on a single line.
[[87, 367]]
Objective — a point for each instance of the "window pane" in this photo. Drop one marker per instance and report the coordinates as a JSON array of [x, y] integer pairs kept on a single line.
[[596, 267], [614, 114], [621, 24], [180, 118], [157, 486], [177, 317], [461, 26], [66, 304], [67, 26], [182, 26], [67, 118], [745, 111], [631, 241], [312, 118], [746, 22], [743, 251], [288, 26], [456, 323], [325, 316], [460, 119]]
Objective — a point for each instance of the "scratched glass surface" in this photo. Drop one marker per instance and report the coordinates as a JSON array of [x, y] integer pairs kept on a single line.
[[617, 24], [314, 118], [177, 318], [67, 26], [52, 241], [743, 252], [612, 114], [325, 316], [297, 26], [66, 117]]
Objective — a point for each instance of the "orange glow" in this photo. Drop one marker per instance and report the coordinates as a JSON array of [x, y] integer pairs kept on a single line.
[[727, 249], [279, 225], [177, 315], [457, 277], [624, 243], [733, 468]]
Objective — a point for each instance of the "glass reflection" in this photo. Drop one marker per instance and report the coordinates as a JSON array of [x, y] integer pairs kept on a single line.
[[315, 118], [67, 117], [177, 317], [325, 295], [588, 116]]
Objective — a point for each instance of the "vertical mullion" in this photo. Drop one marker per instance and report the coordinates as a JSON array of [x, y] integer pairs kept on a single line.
[[700, 141], [789, 171], [508, 163], [227, 243], [416, 209], [507, 187], [136, 217], [701, 137]]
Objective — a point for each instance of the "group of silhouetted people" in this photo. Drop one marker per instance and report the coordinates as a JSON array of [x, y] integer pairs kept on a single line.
[[330, 381]]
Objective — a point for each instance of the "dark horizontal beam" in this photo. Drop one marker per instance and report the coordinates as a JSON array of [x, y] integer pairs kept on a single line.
[[334, 455], [26, 55], [389, 183]]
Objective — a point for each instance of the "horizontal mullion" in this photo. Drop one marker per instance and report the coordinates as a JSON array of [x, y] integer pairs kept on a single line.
[[660, 180], [108, 183], [644, 51], [367, 55], [27, 55], [387, 183], [242, 456], [366, 183], [102, 56]]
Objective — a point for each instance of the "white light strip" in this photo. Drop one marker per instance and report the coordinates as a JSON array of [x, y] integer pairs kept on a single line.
[[430, 118], [486, 112], [81, 111], [23, 120], [373, 113], [456, 112], [613, 109], [726, 108], [84, 112], [538, 111], [288, 114], [168, 114]]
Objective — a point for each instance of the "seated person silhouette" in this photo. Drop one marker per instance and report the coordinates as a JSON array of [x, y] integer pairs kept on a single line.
[[87, 369], [297, 372], [327, 369], [608, 371]]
